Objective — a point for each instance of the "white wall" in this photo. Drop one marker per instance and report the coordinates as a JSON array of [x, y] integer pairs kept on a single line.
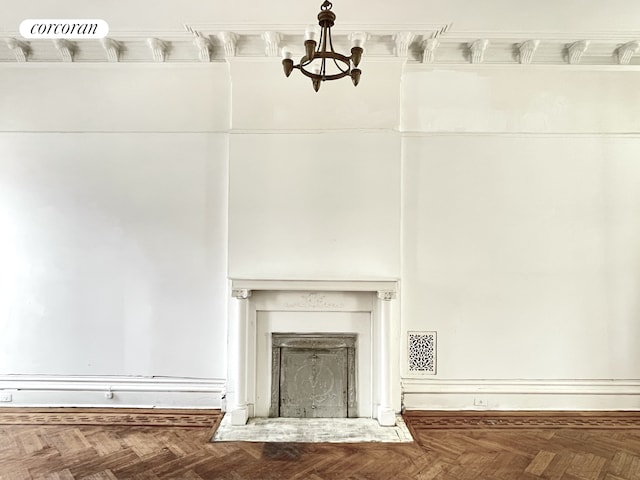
[[314, 177], [523, 254], [48, 97], [507, 205], [314, 206], [521, 226], [265, 100], [113, 240], [112, 255], [503, 99]]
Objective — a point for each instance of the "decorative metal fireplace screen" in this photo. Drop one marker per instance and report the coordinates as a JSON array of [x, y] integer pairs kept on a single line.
[[313, 375]]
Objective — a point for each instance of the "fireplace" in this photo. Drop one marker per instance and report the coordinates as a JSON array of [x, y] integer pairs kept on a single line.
[[313, 375], [269, 316]]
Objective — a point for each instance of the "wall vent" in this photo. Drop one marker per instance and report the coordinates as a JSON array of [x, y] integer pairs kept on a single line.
[[422, 353]]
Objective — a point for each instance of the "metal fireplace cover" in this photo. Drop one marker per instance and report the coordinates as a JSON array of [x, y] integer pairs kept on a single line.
[[328, 343]]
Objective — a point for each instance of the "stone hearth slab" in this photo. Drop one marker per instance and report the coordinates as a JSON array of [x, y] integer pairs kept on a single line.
[[312, 430]]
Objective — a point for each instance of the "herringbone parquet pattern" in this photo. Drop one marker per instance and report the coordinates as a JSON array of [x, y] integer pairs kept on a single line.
[[440, 453]]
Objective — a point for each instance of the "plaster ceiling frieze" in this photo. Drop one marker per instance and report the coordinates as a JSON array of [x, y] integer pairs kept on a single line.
[[576, 50], [204, 47], [528, 48], [429, 50], [229, 41], [430, 44], [627, 51], [272, 43], [477, 49], [66, 49], [526, 51], [112, 49], [158, 49], [403, 40], [20, 49]]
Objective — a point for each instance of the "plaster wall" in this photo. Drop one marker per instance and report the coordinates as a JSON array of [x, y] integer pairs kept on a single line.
[[523, 254], [314, 206], [113, 253], [505, 200], [520, 236], [113, 243]]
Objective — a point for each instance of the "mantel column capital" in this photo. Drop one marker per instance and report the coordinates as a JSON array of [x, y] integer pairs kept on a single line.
[[386, 295], [241, 293]]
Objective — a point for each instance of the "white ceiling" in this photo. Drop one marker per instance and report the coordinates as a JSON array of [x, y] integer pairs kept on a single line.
[[508, 16]]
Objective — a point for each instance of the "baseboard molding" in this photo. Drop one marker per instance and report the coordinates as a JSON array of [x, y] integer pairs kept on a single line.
[[125, 392], [430, 394]]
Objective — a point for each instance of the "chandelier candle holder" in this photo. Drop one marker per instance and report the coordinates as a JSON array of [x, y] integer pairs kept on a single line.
[[321, 62]]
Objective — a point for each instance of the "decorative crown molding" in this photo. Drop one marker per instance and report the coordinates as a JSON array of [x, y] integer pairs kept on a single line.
[[626, 51], [229, 41], [576, 50], [112, 47], [272, 43], [429, 53], [158, 49], [431, 45], [66, 49], [477, 49], [20, 49], [527, 50], [402, 41], [204, 46]]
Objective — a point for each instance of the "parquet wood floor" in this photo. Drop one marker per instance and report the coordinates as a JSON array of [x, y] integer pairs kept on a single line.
[[592, 449]]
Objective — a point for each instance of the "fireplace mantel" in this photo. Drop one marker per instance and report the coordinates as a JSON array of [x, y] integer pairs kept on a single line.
[[371, 297], [316, 285]]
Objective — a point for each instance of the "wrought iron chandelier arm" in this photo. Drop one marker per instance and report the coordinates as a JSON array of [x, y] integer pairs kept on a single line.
[[339, 67]]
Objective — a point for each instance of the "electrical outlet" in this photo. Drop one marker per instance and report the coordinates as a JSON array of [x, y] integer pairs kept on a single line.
[[5, 397], [480, 402]]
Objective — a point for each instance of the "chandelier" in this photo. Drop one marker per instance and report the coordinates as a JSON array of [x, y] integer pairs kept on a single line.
[[321, 62]]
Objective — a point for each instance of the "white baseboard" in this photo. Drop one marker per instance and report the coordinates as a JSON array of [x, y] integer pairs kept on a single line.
[[430, 394], [125, 392], [418, 393]]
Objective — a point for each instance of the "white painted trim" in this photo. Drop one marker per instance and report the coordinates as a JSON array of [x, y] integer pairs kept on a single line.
[[552, 36], [341, 28], [425, 394], [298, 29], [315, 285], [414, 133], [312, 131], [591, 387], [116, 132], [371, 58], [250, 43], [136, 392], [512, 65], [109, 65]]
